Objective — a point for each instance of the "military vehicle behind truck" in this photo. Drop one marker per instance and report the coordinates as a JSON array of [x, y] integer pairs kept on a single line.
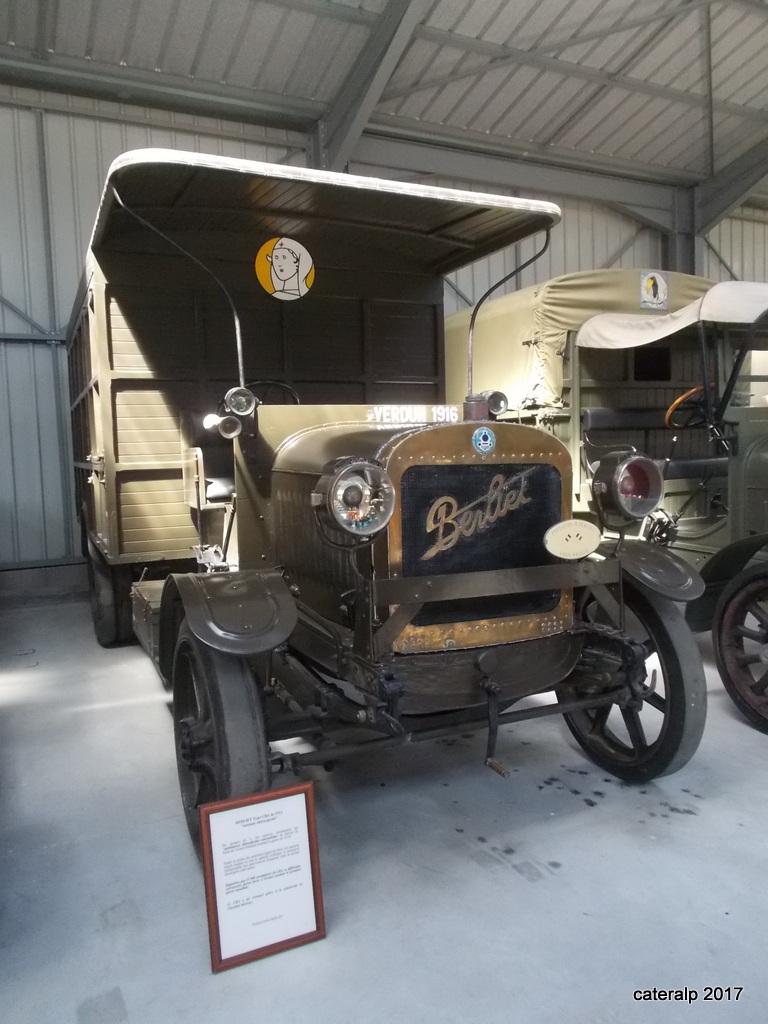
[[674, 367]]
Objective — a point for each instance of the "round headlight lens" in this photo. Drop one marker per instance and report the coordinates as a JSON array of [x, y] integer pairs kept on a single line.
[[358, 496], [240, 401], [631, 485]]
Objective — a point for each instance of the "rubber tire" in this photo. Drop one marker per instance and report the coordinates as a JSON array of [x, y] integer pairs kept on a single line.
[[679, 713], [738, 597], [217, 694], [109, 587]]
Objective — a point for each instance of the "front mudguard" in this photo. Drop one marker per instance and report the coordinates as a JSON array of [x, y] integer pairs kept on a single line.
[[243, 613], [657, 569]]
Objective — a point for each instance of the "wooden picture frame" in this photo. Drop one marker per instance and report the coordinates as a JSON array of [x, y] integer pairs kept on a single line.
[[262, 874]]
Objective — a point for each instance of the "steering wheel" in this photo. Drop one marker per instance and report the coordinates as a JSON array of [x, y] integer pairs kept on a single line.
[[687, 410]]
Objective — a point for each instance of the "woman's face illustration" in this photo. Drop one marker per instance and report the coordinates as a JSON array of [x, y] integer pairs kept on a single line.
[[284, 263]]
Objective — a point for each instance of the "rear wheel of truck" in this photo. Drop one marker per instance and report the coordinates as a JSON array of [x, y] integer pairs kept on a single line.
[[219, 729], [109, 587], [740, 642], [658, 734]]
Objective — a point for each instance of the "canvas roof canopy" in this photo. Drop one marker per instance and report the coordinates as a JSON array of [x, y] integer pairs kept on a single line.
[[520, 338], [730, 302], [219, 207]]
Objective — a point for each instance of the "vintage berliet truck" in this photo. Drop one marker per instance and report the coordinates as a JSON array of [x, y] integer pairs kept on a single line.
[[308, 541]]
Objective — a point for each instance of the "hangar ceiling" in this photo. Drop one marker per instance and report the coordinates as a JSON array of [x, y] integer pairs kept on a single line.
[[631, 101]]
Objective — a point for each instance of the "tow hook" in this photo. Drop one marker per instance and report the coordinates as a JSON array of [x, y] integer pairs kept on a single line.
[[486, 661]]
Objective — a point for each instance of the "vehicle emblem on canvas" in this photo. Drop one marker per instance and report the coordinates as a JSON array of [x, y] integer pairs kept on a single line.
[[654, 293], [451, 522]]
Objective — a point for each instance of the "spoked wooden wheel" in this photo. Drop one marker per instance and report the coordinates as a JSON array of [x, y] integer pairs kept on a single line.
[[740, 641], [221, 744], [656, 733]]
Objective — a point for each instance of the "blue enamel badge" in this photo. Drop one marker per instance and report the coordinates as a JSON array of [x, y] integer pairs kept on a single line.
[[484, 440]]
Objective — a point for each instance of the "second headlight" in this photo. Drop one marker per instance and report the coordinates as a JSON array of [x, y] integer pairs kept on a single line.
[[631, 485]]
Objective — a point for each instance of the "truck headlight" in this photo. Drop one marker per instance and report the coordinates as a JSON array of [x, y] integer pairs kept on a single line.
[[631, 485], [240, 401], [356, 495]]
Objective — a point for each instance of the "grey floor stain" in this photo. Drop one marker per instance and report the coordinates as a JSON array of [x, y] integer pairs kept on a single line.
[[678, 810], [529, 871], [121, 915], [107, 1008]]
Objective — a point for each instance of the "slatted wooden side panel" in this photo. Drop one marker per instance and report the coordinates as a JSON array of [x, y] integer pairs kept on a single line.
[[148, 422], [152, 516]]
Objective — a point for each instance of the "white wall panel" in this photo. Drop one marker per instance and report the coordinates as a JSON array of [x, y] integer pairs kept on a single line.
[[738, 247], [36, 502], [23, 275]]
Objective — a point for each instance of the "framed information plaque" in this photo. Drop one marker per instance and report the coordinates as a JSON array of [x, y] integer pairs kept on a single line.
[[262, 875]]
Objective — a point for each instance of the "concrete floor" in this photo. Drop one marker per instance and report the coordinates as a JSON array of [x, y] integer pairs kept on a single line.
[[451, 894]]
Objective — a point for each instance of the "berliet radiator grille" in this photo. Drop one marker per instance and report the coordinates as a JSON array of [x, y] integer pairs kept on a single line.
[[470, 518]]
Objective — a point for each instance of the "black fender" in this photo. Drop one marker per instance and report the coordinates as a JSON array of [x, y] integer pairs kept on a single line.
[[657, 569], [717, 573], [244, 613]]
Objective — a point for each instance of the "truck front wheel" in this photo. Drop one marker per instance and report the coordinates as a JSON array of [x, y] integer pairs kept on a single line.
[[657, 735], [218, 719]]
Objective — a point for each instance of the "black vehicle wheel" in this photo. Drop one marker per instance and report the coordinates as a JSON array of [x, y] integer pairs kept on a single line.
[[218, 720], [658, 737], [109, 587], [740, 641]]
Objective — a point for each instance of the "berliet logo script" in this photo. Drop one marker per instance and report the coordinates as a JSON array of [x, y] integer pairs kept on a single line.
[[451, 522]]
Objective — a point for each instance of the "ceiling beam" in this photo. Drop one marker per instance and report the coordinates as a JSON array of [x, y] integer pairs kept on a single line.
[[171, 92], [484, 143], [512, 57], [729, 188], [649, 203], [339, 129], [679, 244], [625, 25], [146, 116], [629, 58]]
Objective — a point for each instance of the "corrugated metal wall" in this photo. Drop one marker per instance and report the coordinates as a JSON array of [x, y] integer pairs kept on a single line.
[[55, 155], [737, 248], [36, 525]]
